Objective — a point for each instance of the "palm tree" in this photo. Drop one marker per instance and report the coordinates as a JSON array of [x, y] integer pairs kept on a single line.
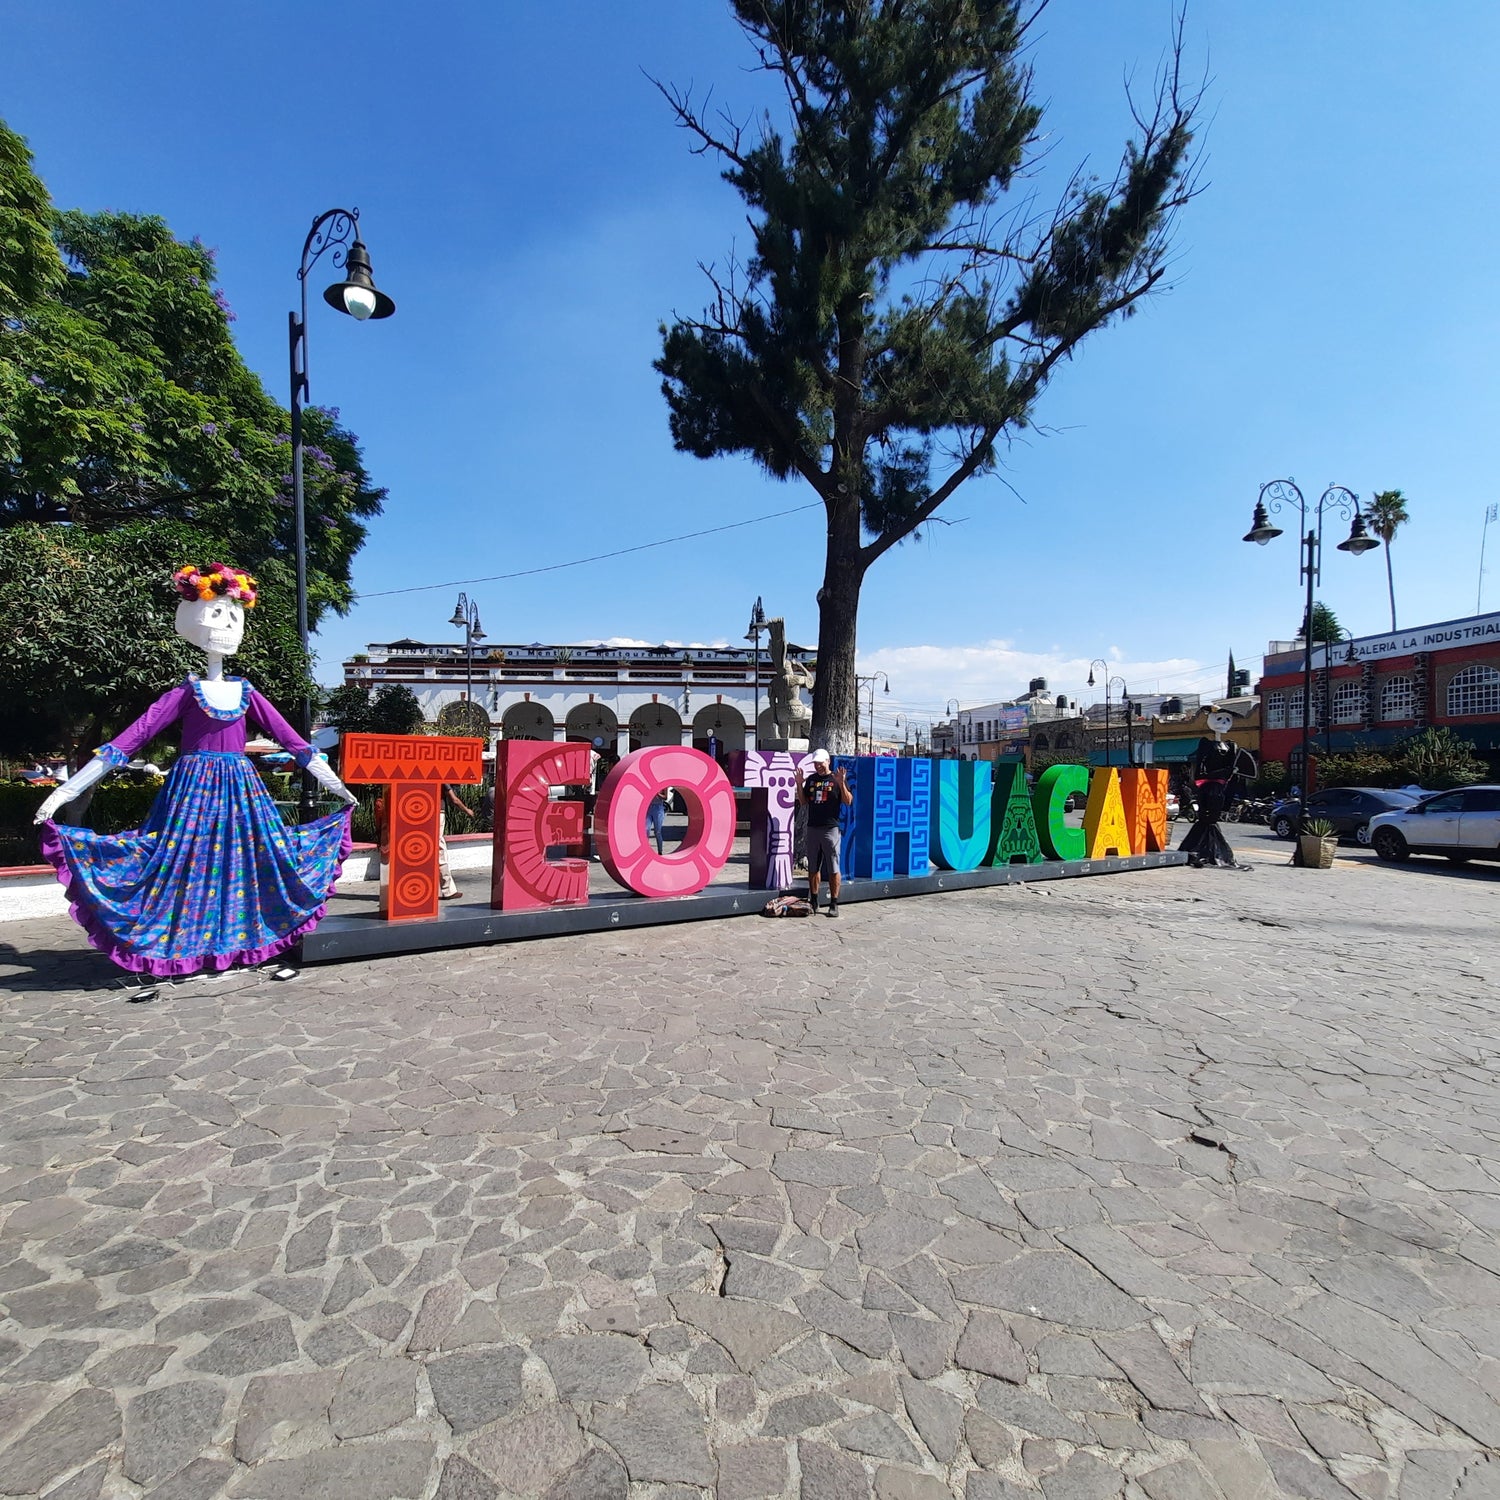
[[1387, 516]]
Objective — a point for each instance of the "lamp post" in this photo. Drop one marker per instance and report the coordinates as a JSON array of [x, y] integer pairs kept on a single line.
[[466, 613], [1275, 494], [1126, 757], [336, 231], [951, 708], [1103, 667], [870, 682], [757, 624]]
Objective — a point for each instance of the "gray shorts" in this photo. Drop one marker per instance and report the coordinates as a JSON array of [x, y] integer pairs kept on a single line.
[[823, 850]]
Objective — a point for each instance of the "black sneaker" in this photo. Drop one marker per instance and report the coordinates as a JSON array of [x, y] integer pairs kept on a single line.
[[812, 900], [833, 908]]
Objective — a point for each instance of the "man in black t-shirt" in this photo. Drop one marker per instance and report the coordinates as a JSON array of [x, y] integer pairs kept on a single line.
[[824, 795]]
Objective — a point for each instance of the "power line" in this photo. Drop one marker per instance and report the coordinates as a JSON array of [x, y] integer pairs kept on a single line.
[[579, 562]]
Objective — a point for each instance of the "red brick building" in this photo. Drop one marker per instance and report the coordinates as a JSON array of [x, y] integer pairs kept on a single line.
[[1375, 690]]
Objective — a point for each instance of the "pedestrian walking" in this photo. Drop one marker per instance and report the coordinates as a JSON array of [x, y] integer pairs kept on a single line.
[[824, 794], [656, 816], [448, 887]]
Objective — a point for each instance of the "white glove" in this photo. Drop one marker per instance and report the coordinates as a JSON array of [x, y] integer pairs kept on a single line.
[[321, 772], [78, 783]]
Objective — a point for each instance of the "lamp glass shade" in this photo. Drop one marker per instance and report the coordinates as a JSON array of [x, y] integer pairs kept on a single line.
[[359, 302], [1359, 540], [458, 616], [1261, 531]]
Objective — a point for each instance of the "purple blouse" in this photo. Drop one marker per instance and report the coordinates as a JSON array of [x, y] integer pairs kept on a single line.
[[205, 727]]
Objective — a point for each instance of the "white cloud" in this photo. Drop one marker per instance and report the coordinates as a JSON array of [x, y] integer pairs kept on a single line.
[[924, 678]]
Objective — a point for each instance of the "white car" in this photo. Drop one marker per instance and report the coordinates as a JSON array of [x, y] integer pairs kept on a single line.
[[1461, 825]]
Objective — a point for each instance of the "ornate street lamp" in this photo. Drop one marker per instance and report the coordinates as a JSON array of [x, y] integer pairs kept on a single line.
[[1284, 492], [757, 624], [870, 682], [1104, 668], [1125, 706], [466, 613], [358, 296]]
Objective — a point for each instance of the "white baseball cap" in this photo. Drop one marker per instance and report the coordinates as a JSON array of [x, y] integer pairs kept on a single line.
[[820, 758]]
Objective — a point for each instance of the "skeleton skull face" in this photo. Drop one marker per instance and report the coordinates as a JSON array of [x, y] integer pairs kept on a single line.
[[1220, 722], [216, 625]]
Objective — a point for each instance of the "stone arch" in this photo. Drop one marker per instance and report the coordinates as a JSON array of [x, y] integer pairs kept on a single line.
[[724, 722], [527, 721], [655, 724], [590, 722]]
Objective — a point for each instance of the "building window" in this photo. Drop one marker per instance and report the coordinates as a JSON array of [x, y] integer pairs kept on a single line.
[[1475, 690], [1348, 700], [1294, 708], [1397, 700], [1276, 711]]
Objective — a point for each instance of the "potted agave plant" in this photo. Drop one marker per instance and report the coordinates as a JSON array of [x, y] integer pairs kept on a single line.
[[1317, 845]]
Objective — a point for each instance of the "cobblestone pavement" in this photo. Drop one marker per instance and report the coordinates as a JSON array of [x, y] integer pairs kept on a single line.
[[1169, 1184]]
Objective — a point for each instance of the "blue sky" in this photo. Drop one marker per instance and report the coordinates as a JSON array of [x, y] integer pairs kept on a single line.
[[530, 206]]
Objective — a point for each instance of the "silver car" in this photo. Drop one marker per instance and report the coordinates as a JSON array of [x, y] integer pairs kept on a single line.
[[1461, 826]]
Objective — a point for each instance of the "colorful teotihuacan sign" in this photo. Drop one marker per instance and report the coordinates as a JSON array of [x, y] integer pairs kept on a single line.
[[912, 819]]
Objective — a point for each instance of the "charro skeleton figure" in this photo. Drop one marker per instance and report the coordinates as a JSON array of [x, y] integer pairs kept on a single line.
[[213, 877], [1217, 763]]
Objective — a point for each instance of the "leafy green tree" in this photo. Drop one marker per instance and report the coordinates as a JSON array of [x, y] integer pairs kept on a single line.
[[30, 267], [87, 637], [894, 325], [347, 709], [395, 710], [1438, 758], [1388, 515], [123, 397]]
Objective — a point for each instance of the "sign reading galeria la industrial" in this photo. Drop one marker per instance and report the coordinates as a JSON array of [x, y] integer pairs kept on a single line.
[[907, 815]]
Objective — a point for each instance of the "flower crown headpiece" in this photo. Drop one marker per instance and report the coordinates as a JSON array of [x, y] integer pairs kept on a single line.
[[216, 579]]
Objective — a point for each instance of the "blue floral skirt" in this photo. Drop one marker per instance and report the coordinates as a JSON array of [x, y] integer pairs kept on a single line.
[[213, 877]]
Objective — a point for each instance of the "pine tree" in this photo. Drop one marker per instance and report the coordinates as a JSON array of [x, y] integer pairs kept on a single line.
[[895, 323]]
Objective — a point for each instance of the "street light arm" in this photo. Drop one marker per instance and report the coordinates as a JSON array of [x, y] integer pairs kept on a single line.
[[342, 226]]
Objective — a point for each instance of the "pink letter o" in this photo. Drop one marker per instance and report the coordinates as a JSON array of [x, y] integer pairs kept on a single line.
[[623, 800]]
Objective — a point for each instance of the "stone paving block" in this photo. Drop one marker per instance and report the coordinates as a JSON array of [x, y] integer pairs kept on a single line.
[[594, 1367], [246, 1350], [750, 1332], [472, 1389], [828, 1474], [277, 1409], [372, 1471], [937, 1416], [527, 1454], [460, 1480], [1231, 1360], [901, 1484], [869, 1332], [1178, 1481], [68, 1435], [988, 1347], [751, 1471], [1057, 1287], [166, 1428], [84, 1485], [374, 1395], [795, 1415], [598, 1475], [1148, 1364], [659, 1435], [203, 1479]]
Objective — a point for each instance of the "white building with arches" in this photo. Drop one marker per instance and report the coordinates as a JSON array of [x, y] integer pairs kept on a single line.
[[626, 696]]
